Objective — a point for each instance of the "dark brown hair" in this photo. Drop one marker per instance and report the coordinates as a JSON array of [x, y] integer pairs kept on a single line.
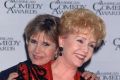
[[43, 23]]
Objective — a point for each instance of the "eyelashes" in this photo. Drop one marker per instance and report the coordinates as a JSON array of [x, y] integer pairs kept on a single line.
[[42, 43], [33, 41], [45, 44], [92, 45], [80, 41]]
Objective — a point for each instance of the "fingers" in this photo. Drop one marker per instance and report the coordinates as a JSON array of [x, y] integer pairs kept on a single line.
[[90, 76], [86, 75], [12, 76], [93, 77]]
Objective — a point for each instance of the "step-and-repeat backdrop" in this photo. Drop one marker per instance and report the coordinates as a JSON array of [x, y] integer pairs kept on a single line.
[[15, 14]]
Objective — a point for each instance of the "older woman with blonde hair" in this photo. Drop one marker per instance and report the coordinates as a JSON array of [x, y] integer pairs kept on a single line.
[[80, 32]]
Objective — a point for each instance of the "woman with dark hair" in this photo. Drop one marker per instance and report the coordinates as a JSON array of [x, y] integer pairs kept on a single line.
[[41, 37]]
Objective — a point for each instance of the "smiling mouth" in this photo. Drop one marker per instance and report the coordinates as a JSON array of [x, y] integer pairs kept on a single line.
[[38, 57], [80, 56]]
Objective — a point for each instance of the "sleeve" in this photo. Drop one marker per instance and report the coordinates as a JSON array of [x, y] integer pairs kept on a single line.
[[4, 74]]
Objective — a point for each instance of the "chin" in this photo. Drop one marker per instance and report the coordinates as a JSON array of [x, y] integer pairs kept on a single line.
[[36, 62], [79, 64]]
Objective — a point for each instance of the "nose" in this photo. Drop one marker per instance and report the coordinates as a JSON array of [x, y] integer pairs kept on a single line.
[[38, 49], [85, 48]]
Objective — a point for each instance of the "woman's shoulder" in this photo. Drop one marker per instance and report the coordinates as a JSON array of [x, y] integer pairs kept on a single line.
[[5, 73]]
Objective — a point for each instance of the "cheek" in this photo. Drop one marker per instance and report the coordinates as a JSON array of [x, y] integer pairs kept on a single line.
[[50, 53], [31, 49], [73, 47], [89, 56], [68, 42], [69, 45]]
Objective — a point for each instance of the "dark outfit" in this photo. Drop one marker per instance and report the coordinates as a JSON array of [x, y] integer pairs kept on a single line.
[[4, 74], [26, 71]]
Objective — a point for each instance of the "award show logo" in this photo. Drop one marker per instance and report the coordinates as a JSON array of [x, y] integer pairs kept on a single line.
[[22, 6], [8, 44], [116, 43], [107, 8], [108, 75], [58, 7]]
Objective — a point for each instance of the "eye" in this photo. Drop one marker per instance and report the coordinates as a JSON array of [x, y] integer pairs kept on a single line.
[[46, 44], [92, 46], [33, 41], [80, 41]]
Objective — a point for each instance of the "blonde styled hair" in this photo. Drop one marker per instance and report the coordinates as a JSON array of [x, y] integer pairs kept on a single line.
[[79, 20]]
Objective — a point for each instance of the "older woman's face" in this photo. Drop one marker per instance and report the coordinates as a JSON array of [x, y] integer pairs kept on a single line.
[[77, 48], [41, 49]]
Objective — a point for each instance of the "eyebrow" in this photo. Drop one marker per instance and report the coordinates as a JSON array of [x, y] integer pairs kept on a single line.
[[44, 40], [85, 39]]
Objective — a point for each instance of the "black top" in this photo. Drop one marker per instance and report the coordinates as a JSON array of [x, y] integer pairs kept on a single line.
[[4, 74]]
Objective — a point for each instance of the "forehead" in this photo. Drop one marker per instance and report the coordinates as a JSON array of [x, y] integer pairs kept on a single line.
[[85, 34], [88, 32], [41, 36]]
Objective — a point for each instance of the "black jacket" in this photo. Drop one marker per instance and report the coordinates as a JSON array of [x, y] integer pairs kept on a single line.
[[4, 74]]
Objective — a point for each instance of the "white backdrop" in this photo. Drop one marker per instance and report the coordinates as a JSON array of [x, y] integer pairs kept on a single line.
[[15, 14]]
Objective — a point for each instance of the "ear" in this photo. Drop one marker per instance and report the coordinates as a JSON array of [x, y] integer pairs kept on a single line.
[[61, 41]]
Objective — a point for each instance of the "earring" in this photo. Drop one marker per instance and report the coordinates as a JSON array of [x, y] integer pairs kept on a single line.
[[60, 51]]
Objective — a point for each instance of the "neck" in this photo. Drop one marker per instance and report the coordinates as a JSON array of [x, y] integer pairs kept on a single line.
[[60, 67]]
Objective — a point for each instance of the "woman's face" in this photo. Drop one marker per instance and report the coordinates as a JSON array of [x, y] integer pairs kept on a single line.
[[77, 48], [41, 49]]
